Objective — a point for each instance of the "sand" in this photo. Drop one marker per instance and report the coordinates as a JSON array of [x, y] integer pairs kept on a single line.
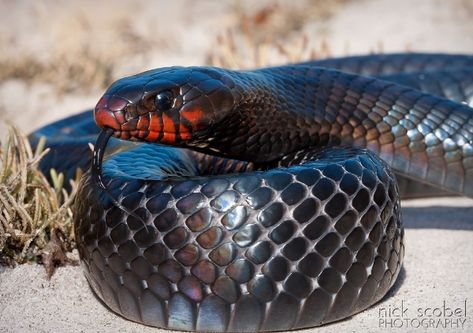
[[439, 232]]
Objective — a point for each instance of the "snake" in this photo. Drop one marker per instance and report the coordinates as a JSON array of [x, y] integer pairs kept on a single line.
[[265, 199]]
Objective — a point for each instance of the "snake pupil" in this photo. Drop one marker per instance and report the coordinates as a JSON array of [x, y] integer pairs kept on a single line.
[[164, 100]]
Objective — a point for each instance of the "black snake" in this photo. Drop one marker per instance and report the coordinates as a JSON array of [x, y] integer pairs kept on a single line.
[[279, 209]]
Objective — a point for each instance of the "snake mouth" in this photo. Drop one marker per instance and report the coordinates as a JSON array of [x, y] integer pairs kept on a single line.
[[142, 128], [170, 128], [168, 138]]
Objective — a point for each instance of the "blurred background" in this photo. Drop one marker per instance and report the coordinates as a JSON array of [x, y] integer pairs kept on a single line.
[[58, 56]]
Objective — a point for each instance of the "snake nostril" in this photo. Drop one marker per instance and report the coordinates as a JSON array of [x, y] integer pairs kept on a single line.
[[110, 111], [106, 118]]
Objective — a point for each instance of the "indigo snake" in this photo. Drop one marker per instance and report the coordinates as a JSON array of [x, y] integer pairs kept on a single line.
[[272, 203]]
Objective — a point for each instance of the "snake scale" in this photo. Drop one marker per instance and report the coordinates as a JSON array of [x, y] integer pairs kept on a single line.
[[271, 202]]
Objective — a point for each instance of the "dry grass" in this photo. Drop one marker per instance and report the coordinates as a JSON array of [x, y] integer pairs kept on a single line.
[[241, 51], [282, 18], [272, 35], [31, 210]]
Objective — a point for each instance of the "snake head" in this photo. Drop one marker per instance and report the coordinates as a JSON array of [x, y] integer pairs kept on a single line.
[[174, 105]]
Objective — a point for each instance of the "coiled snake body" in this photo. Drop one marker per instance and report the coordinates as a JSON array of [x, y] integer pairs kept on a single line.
[[279, 209]]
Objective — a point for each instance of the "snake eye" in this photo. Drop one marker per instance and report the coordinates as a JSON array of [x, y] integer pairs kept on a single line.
[[164, 100]]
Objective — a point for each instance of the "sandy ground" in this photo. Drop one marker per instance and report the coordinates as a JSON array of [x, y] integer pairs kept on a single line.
[[439, 234]]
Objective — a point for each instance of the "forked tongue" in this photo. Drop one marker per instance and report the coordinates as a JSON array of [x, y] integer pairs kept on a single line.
[[97, 175], [99, 151]]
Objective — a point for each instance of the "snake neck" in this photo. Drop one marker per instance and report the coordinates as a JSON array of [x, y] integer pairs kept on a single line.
[[266, 125]]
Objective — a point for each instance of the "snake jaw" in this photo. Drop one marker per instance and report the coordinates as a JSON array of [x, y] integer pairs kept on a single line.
[[151, 126]]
